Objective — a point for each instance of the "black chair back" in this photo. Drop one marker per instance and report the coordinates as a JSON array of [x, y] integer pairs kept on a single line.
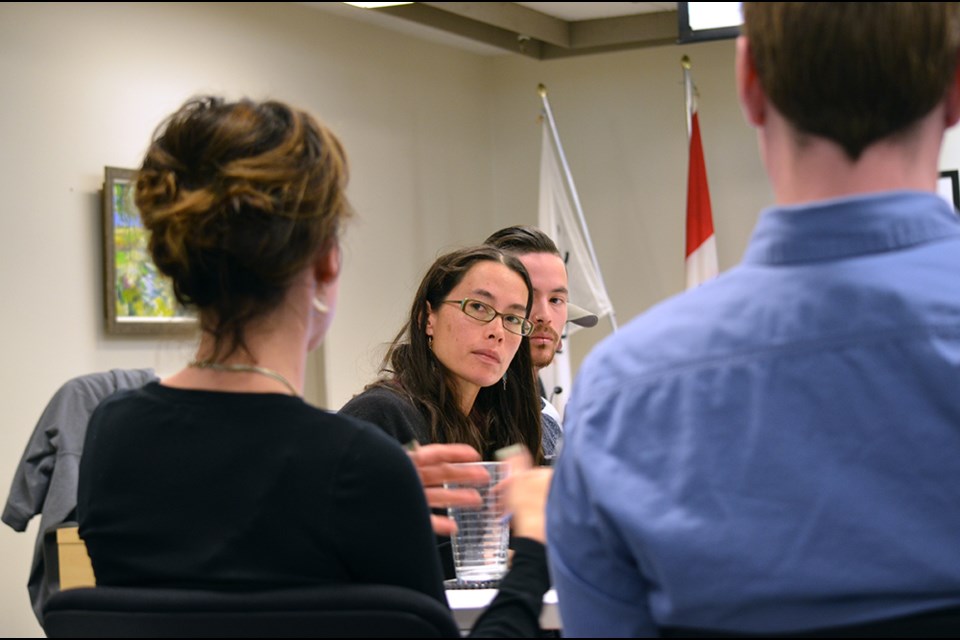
[[336, 611]]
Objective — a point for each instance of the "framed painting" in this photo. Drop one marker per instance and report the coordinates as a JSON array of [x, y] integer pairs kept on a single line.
[[948, 186], [138, 298]]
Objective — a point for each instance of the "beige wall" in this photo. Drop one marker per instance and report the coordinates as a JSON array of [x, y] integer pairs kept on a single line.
[[84, 85], [621, 119], [444, 147]]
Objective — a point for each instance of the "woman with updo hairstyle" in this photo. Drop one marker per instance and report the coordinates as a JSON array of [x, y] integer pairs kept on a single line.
[[238, 200], [220, 476]]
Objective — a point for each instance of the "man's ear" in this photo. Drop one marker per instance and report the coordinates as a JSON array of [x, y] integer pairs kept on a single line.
[[952, 103], [753, 100]]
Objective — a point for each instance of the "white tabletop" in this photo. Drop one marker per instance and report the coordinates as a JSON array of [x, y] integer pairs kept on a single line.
[[468, 604]]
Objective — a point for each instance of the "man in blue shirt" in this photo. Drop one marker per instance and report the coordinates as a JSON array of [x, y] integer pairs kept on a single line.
[[777, 450]]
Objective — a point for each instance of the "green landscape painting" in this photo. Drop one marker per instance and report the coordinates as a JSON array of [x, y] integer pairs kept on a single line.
[[142, 292]]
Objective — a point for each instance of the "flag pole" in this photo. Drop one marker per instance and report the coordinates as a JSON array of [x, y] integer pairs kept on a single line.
[[542, 91], [687, 91]]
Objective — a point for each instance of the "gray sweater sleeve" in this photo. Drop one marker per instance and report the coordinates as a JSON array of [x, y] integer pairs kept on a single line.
[[45, 481]]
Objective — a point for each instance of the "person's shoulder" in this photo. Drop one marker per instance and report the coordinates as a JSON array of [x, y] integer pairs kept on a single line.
[[378, 395], [379, 400], [389, 409], [126, 399], [355, 423], [547, 408], [120, 416], [317, 429], [671, 332], [368, 441], [91, 388]]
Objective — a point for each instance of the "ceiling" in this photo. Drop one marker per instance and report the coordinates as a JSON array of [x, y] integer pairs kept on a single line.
[[540, 30]]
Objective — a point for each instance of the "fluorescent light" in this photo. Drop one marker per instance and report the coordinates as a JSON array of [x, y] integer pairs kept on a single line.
[[714, 15], [375, 5], [699, 21]]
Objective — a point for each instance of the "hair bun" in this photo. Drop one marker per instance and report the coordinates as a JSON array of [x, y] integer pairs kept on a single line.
[[238, 197]]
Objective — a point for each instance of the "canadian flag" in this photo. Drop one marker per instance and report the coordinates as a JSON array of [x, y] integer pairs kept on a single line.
[[701, 255]]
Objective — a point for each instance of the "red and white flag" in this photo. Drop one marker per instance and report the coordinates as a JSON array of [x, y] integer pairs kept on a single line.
[[701, 254]]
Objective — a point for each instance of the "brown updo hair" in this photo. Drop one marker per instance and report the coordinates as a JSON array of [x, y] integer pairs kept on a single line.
[[238, 197]]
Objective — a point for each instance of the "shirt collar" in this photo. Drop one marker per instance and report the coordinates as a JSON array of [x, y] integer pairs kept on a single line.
[[855, 225]]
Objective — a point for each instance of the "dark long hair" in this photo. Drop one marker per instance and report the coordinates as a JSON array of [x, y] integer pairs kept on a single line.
[[502, 414]]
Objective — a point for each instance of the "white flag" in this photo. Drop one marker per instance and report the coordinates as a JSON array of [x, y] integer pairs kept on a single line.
[[559, 219]]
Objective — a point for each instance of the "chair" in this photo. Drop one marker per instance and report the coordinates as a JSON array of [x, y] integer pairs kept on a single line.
[[65, 559], [45, 481], [334, 611]]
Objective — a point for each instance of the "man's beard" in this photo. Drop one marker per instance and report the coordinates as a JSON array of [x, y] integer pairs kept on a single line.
[[543, 354]]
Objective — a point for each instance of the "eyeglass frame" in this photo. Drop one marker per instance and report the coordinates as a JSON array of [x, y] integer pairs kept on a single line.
[[525, 322]]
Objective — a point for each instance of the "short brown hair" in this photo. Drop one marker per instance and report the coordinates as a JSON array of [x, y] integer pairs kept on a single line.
[[238, 198], [853, 72], [522, 239]]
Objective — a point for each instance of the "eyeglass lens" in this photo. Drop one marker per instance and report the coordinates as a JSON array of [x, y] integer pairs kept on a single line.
[[482, 311]]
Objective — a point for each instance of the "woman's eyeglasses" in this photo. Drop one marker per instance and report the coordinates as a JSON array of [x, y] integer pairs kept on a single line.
[[485, 313]]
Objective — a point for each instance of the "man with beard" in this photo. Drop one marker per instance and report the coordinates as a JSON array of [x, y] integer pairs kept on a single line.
[[551, 309]]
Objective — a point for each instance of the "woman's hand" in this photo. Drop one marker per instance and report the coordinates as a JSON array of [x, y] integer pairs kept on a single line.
[[435, 464]]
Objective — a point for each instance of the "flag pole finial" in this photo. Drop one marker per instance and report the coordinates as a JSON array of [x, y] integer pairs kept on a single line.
[[542, 90], [685, 62]]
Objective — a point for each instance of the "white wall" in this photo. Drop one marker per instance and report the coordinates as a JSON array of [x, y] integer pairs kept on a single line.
[[444, 148]]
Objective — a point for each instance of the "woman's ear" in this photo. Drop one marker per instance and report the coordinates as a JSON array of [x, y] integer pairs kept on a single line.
[[326, 266], [430, 320]]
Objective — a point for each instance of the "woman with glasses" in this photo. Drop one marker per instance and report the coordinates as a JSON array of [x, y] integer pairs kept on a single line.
[[460, 370]]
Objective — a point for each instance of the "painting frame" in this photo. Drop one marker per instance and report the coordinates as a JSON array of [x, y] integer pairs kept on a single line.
[[948, 186], [138, 300]]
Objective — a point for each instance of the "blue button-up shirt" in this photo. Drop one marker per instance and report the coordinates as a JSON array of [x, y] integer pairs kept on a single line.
[[778, 449]]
